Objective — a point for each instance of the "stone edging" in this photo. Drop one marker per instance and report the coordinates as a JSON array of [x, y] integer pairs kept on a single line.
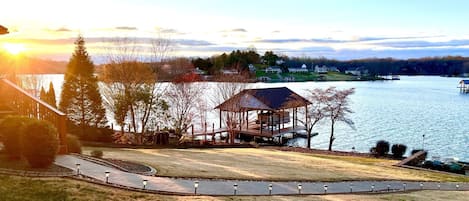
[[27, 173], [152, 171]]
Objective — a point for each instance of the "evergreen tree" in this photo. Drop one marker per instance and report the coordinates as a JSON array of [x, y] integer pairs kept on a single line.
[[80, 98], [43, 95], [51, 96]]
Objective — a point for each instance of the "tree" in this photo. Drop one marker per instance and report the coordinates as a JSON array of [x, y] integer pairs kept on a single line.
[[132, 90], [51, 95], [43, 95], [226, 88], [184, 94], [270, 58], [80, 97], [316, 111], [337, 108]]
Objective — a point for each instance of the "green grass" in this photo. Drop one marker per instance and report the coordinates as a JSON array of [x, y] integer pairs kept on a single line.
[[14, 188], [22, 164]]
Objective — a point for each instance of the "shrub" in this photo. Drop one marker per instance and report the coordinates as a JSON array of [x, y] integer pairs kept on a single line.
[[10, 129], [382, 148], [40, 143], [97, 153], [73, 144], [398, 150]]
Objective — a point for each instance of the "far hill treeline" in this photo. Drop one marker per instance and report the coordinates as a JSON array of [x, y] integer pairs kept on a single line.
[[240, 60]]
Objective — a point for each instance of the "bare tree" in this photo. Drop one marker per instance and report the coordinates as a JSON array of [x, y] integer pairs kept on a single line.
[[183, 95], [316, 111], [225, 88], [32, 83], [133, 93], [337, 109]]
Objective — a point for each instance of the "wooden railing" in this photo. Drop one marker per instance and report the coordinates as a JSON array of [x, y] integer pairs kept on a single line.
[[25, 104]]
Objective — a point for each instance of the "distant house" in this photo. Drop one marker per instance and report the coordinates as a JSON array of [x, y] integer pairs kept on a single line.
[[252, 68], [357, 72], [273, 69], [229, 72], [303, 69], [199, 72], [325, 69]]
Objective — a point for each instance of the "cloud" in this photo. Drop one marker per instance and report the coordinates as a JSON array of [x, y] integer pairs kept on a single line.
[[126, 28], [62, 29], [237, 30], [423, 44], [186, 42]]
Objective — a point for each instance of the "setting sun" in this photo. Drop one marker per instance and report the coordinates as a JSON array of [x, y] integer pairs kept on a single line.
[[14, 48]]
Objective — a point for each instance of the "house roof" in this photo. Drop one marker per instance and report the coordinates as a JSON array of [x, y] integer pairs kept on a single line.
[[263, 99], [464, 81]]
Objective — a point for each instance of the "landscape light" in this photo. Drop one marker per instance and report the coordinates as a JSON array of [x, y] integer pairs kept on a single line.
[[439, 185], [107, 176], [78, 168], [196, 185], [389, 187], [404, 184], [457, 186], [372, 187], [144, 183], [235, 188], [351, 187], [421, 185], [299, 188], [325, 189], [270, 189]]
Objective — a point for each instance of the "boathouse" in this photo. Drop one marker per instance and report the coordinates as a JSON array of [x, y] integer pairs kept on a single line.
[[275, 109], [464, 86]]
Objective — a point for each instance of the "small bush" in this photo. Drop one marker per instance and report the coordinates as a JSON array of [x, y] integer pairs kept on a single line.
[[10, 129], [382, 148], [40, 143], [97, 153], [73, 144], [398, 150]]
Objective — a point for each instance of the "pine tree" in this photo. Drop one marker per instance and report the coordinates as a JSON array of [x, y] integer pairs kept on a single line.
[[80, 98], [51, 96], [43, 95]]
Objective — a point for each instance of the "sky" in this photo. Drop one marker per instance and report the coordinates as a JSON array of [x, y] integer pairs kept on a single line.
[[336, 29]]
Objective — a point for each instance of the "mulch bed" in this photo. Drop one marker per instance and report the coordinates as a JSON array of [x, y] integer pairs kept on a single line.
[[318, 151]]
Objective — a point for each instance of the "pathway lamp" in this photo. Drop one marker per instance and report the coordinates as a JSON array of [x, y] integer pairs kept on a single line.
[[457, 186], [389, 187], [299, 188], [325, 189], [439, 185], [421, 185], [144, 183], [351, 187], [270, 189], [107, 173], [372, 187], [78, 169], [235, 188], [404, 185], [196, 185]]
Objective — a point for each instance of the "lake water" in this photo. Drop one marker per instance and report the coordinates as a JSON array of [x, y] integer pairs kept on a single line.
[[399, 111]]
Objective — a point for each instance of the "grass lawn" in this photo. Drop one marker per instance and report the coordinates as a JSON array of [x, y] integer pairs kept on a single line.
[[268, 164], [55, 189], [22, 164]]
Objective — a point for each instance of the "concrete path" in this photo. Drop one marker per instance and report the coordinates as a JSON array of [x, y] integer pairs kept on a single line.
[[244, 187]]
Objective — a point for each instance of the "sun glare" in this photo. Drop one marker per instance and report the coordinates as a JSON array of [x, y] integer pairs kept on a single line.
[[14, 48]]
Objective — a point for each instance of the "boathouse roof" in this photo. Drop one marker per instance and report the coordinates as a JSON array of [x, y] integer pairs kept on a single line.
[[263, 99]]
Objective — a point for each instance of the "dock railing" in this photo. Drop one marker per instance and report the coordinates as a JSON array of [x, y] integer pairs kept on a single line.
[[25, 104]]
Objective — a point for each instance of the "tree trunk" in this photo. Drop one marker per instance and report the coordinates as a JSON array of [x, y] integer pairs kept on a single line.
[[331, 139], [308, 138]]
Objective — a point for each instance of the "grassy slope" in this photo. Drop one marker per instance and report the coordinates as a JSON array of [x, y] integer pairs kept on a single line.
[[20, 189], [267, 164]]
